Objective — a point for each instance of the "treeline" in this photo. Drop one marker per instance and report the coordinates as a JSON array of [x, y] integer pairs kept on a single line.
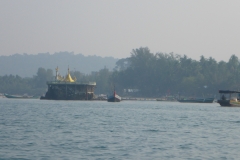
[[36, 85], [144, 74], [159, 74]]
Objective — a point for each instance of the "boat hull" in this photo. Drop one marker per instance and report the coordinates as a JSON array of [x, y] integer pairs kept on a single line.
[[20, 97], [113, 98], [203, 100], [229, 103]]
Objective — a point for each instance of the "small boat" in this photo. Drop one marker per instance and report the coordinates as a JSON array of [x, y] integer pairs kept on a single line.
[[114, 97], [229, 98], [196, 100], [20, 96]]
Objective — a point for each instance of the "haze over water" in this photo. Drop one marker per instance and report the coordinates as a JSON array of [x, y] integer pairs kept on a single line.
[[35, 129], [113, 28]]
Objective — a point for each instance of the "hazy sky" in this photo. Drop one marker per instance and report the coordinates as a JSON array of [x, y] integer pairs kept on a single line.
[[115, 27]]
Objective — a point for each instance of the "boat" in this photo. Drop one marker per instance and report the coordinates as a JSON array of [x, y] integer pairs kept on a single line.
[[196, 100], [67, 88], [229, 98], [114, 97], [20, 96]]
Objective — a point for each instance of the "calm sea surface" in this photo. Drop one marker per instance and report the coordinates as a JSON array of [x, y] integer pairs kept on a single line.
[[41, 129]]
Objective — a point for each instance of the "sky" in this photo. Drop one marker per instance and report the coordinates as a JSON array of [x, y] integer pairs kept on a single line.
[[116, 27]]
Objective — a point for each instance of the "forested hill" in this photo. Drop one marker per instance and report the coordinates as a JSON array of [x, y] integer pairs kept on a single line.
[[26, 65], [144, 74]]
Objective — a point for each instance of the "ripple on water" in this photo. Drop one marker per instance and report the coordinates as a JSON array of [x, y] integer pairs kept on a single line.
[[128, 130]]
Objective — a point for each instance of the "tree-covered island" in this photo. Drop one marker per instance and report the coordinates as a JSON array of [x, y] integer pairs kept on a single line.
[[143, 74]]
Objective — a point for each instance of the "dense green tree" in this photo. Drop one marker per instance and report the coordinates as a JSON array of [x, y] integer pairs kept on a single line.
[[122, 64], [42, 77], [159, 74]]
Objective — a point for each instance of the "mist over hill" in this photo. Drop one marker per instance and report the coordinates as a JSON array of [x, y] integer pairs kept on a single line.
[[26, 65]]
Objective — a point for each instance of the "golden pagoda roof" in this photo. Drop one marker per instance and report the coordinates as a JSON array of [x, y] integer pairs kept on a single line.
[[68, 77]]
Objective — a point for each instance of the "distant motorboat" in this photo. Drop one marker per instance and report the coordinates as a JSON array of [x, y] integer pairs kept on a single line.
[[20, 96]]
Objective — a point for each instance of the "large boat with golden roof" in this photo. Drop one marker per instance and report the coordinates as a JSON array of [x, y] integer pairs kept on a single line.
[[67, 88]]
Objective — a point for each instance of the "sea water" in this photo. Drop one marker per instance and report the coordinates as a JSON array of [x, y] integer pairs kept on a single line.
[[45, 129]]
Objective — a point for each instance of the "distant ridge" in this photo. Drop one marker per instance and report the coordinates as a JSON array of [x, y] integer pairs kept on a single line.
[[26, 65]]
